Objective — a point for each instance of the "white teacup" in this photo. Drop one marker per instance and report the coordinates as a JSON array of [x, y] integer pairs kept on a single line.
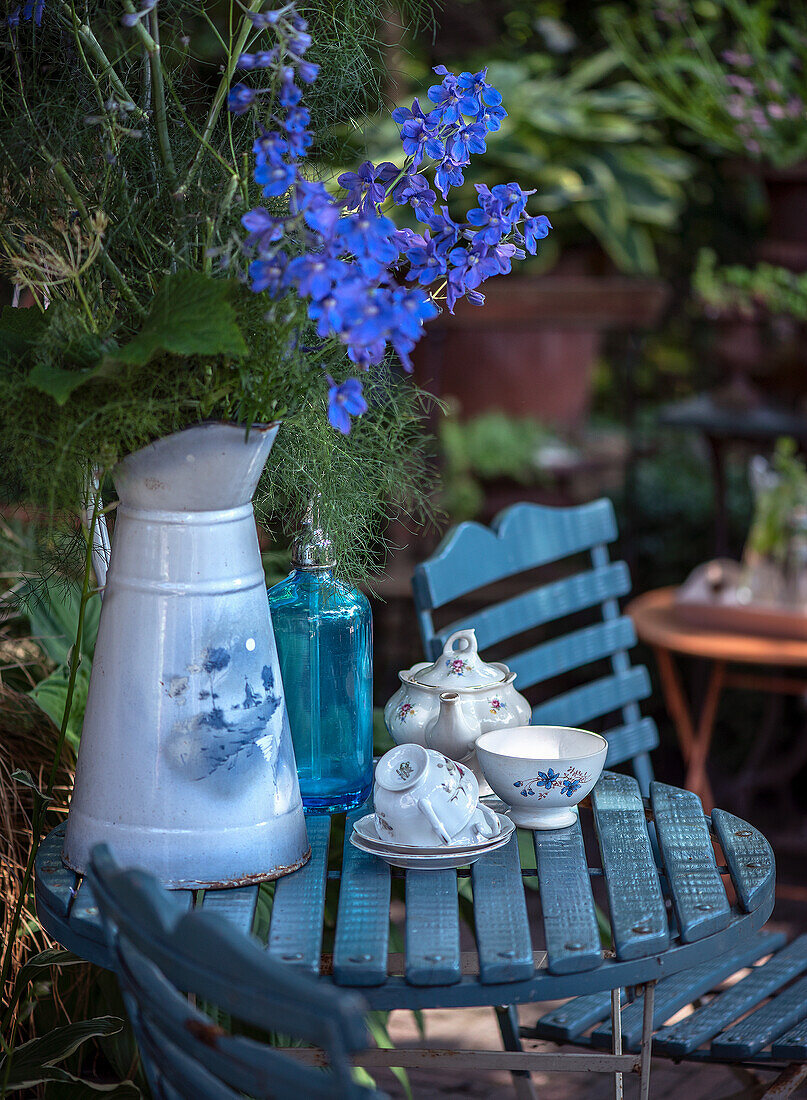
[[422, 797]]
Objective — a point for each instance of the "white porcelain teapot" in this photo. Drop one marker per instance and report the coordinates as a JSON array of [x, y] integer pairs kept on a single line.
[[448, 704]]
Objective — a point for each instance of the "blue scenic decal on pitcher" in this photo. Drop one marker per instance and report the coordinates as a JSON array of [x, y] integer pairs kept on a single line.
[[222, 736]]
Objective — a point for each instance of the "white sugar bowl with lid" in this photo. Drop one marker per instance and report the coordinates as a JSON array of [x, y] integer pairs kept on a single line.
[[447, 705]]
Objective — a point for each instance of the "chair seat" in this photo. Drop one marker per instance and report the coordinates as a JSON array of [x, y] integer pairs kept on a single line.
[[760, 1018]]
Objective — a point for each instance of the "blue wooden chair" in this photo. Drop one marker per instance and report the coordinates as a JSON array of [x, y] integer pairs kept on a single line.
[[571, 626], [185, 973]]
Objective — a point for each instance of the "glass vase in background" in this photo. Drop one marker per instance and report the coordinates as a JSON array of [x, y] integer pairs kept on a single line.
[[324, 638]]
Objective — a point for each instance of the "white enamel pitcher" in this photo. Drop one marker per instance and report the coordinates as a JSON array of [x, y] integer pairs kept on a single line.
[[186, 766]]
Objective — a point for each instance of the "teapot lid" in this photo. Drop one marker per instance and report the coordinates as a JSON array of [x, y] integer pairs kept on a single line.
[[460, 666]]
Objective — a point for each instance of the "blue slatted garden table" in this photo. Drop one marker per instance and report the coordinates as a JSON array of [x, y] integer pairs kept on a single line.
[[681, 890]]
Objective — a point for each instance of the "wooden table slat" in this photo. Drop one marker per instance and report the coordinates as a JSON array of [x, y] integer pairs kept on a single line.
[[55, 884], [500, 917], [236, 905], [567, 903], [362, 921], [636, 903], [676, 992], [698, 895], [749, 857], [432, 928], [295, 931], [710, 1019], [84, 918]]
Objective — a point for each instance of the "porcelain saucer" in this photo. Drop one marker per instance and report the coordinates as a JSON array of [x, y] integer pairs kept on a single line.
[[366, 830], [445, 861]]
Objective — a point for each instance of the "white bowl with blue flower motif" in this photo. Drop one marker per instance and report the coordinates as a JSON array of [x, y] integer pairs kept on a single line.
[[542, 772]]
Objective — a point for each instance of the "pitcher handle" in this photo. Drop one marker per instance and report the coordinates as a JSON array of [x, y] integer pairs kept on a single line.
[[426, 808]]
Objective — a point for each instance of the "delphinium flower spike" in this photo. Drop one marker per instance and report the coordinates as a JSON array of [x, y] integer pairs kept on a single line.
[[346, 256]]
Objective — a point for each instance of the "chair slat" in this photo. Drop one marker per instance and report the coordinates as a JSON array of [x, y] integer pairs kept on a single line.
[[635, 900], [674, 993], [236, 905], [500, 917], [594, 699], [522, 537], [55, 883], [696, 888], [295, 931], [574, 1017], [543, 605], [567, 904], [362, 921], [792, 1046], [769, 1021], [708, 1020], [625, 742], [574, 650], [749, 857], [432, 928]]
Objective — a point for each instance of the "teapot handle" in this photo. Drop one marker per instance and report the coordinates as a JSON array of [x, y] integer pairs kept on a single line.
[[461, 641], [426, 808]]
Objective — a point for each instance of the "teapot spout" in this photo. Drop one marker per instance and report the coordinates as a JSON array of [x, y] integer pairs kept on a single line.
[[451, 733]]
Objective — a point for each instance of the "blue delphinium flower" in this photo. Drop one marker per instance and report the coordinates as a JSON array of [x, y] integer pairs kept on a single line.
[[534, 230], [240, 98], [33, 11], [344, 400], [348, 259], [368, 185]]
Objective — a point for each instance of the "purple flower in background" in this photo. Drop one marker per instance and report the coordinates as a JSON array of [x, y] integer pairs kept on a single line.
[[344, 400], [268, 274], [240, 98], [307, 71], [289, 95]]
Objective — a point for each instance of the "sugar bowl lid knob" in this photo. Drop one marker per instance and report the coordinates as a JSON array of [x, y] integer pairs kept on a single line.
[[460, 666]]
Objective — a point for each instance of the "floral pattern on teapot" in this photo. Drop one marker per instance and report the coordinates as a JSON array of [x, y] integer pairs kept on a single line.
[[446, 705]]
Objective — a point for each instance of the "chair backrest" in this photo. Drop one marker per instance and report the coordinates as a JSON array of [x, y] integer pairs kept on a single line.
[[527, 537], [184, 974]]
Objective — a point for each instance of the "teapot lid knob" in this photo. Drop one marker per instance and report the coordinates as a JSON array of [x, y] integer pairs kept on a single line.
[[461, 641]]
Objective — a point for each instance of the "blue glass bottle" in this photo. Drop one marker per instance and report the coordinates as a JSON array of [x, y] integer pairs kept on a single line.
[[324, 635]]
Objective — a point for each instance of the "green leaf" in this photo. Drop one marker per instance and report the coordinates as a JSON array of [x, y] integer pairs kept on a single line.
[[191, 315], [30, 1062], [57, 382], [51, 695], [53, 615], [52, 956]]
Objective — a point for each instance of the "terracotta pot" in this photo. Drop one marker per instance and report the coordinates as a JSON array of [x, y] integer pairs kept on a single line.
[[531, 350]]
